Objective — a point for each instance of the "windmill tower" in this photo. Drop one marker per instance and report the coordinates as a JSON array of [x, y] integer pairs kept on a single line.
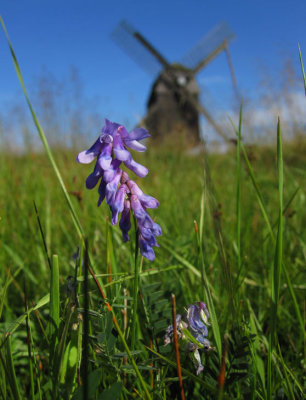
[[174, 101]]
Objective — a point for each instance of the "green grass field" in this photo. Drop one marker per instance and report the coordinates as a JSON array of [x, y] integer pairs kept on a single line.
[[243, 305], [80, 319]]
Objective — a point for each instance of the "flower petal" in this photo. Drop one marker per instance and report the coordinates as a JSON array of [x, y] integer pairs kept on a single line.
[[87, 156], [94, 177], [122, 154], [138, 169], [111, 188], [195, 321], [138, 134], [145, 249], [109, 127], [92, 180], [197, 356], [125, 220], [156, 229], [101, 190], [120, 151], [146, 201], [110, 173], [139, 212], [105, 157], [118, 203], [135, 145]]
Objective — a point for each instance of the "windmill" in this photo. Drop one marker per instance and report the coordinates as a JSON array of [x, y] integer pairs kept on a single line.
[[174, 99]]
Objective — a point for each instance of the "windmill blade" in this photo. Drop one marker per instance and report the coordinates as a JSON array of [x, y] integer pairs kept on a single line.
[[138, 48], [210, 119], [208, 47]]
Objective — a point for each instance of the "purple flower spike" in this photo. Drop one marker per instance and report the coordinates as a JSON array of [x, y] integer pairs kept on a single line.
[[110, 150]]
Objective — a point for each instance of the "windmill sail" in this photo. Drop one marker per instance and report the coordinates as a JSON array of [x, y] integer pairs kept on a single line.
[[208, 47], [138, 48]]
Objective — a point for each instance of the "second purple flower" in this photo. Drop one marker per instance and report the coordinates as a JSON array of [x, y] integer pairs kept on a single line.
[[119, 191]]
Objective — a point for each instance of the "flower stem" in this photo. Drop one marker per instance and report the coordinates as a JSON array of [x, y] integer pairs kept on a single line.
[[135, 294]]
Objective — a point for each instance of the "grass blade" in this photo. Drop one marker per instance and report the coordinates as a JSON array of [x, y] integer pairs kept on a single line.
[[85, 352], [302, 66], [277, 265], [10, 369], [266, 218], [29, 345], [54, 307], [238, 199]]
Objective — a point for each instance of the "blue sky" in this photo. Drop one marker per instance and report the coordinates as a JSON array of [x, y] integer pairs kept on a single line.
[[60, 34]]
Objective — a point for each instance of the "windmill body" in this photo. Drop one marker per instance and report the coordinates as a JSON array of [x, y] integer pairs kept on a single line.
[[174, 102], [169, 110]]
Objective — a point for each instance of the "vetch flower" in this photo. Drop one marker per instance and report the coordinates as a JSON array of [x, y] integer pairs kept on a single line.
[[197, 317], [192, 329], [120, 192], [180, 325]]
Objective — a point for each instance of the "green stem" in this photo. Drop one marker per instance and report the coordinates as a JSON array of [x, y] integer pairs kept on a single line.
[[135, 294]]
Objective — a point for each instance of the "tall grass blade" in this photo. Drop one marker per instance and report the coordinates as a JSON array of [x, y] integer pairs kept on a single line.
[[29, 345], [54, 307], [10, 369], [135, 291], [238, 200], [42, 235], [85, 352], [302, 66], [277, 265], [270, 231], [3, 292]]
